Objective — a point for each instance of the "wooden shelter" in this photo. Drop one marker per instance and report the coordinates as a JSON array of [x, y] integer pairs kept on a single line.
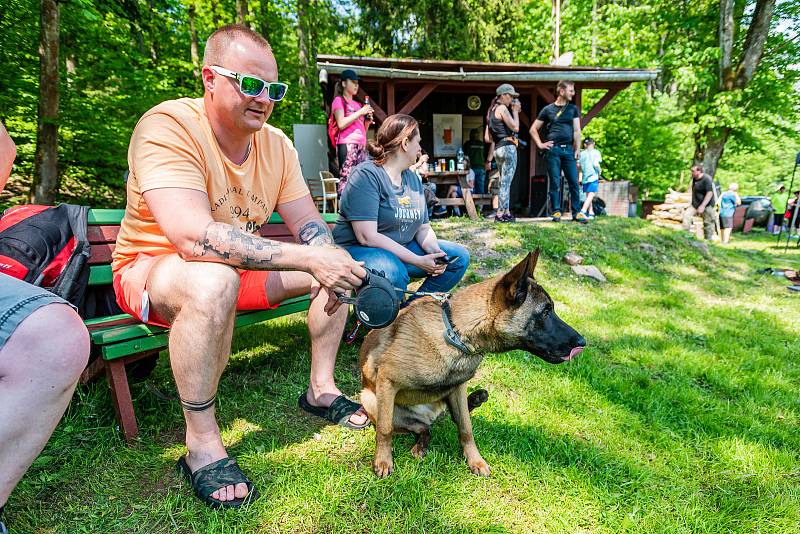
[[427, 88]]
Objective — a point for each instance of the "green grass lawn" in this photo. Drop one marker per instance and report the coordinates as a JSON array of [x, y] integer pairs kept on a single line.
[[682, 415]]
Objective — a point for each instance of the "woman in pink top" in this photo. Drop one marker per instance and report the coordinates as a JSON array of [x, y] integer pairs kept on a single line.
[[352, 118]]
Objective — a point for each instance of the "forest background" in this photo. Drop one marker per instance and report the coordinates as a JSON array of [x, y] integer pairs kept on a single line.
[[77, 75]]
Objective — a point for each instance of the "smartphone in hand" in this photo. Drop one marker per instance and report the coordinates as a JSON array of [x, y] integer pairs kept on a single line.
[[445, 260]]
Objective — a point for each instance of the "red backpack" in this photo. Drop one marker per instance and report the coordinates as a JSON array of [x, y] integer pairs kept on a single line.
[[47, 246], [333, 127]]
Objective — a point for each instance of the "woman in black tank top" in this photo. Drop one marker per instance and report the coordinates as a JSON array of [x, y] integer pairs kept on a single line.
[[502, 123]]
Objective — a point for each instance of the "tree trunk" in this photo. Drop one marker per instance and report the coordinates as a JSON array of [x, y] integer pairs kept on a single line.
[[193, 37], [732, 77], [754, 42], [302, 46], [556, 30], [214, 15], [264, 19], [595, 30], [715, 146], [241, 12], [46, 184], [726, 28]]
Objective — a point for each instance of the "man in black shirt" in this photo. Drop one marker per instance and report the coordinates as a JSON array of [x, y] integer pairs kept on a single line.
[[702, 202], [474, 149], [563, 121]]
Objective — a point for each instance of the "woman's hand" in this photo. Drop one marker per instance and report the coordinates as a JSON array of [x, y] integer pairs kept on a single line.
[[365, 110], [428, 263]]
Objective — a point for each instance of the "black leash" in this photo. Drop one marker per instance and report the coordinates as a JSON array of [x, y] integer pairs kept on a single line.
[[450, 334]]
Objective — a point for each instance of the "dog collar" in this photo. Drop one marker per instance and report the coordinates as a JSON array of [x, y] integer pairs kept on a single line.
[[450, 335]]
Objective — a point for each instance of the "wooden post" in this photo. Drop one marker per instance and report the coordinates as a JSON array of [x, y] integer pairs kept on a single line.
[[121, 395], [390, 98]]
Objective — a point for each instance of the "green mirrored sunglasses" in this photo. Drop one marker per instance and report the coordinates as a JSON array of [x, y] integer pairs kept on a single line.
[[253, 86]]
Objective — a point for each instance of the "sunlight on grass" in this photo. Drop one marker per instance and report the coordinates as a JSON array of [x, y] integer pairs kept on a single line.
[[681, 415]]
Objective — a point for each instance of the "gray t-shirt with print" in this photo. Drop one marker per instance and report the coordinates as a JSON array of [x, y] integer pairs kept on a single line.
[[370, 196]]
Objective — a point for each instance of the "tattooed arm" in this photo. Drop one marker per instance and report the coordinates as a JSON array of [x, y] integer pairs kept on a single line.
[[224, 243], [305, 222], [185, 217], [315, 233]]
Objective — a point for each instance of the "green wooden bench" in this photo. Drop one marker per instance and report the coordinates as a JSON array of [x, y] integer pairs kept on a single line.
[[119, 340]]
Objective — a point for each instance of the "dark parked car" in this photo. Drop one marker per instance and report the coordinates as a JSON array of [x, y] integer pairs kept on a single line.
[[758, 208]]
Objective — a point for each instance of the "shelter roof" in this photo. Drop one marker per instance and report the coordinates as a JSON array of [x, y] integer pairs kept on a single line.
[[442, 70]]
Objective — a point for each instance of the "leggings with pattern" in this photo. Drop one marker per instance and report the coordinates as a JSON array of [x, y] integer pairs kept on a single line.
[[506, 157], [349, 155]]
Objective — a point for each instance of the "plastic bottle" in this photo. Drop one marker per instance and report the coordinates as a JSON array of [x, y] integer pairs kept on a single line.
[[368, 116], [460, 159]]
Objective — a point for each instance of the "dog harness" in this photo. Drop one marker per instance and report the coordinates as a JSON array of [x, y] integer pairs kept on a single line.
[[376, 306]]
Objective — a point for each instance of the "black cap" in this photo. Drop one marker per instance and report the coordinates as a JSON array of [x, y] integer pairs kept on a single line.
[[588, 140], [349, 74]]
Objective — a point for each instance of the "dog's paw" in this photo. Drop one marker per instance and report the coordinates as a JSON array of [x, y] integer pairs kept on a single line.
[[479, 467], [382, 468], [419, 451], [476, 398]]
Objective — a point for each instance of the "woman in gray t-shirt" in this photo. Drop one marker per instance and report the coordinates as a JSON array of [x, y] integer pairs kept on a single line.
[[383, 218]]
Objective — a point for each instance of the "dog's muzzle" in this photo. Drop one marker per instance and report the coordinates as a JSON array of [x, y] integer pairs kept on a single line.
[[376, 302]]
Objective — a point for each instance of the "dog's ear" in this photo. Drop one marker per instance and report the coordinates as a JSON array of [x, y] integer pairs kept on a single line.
[[514, 285], [534, 259]]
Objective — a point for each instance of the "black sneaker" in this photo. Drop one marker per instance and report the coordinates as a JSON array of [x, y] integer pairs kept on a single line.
[[490, 214], [556, 216], [509, 218]]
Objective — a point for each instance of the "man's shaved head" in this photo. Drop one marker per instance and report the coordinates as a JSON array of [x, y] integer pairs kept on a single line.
[[220, 41]]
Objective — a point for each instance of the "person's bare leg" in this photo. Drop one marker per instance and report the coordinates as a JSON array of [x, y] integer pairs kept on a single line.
[[726, 235], [587, 204], [199, 300], [325, 332], [38, 373]]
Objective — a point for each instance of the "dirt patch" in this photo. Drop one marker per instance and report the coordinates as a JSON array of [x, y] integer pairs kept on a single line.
[[482, 244]]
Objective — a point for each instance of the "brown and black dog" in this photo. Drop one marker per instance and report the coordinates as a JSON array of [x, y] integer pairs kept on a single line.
[[411, 374]]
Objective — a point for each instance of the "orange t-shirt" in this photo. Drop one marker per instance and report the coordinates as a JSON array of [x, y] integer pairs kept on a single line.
[[173, 146]]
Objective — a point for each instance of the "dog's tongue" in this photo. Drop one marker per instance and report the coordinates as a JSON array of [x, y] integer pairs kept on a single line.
[[574, 352]]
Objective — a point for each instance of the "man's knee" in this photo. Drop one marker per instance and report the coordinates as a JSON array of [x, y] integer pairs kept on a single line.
[[208, 290], [213, 286]]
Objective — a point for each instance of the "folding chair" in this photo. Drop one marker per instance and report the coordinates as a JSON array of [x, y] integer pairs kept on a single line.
[[323, 189]]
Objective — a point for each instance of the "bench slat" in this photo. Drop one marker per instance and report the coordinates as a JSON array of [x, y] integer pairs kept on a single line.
[[160, 339], [100, 275], [102, 234], [101, 253], [99, 323], [105, 216]]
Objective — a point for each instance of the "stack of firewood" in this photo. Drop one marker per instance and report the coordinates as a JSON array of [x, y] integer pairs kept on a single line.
[[670, 213]]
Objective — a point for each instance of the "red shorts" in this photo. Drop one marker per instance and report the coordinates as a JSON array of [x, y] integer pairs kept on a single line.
[[130, 286]]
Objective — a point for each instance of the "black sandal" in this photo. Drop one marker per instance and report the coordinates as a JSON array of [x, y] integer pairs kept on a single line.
[[338, 412], [214, 476]]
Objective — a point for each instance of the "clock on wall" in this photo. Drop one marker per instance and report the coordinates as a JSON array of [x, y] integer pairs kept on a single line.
[[474, 102]]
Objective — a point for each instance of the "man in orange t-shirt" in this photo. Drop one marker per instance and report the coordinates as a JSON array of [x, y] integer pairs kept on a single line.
[[205, 174]]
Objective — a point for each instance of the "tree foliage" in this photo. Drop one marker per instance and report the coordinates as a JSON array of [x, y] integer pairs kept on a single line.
[[120, 57]]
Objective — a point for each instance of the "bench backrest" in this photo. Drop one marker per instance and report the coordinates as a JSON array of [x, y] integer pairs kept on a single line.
[[104, 227]]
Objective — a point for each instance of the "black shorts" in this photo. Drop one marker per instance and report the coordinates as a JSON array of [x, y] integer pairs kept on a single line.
[[726, 222]]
